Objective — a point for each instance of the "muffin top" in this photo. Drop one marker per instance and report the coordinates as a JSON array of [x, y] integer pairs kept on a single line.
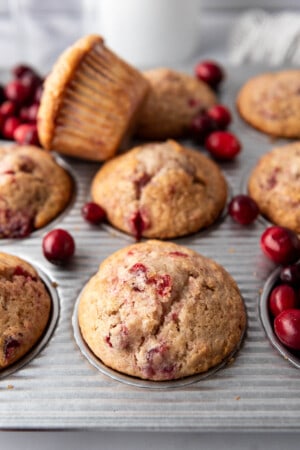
[[160, 190], [174, 98], [274, 184], [34, 189], [25, 307], [160, 311], [271, 103]]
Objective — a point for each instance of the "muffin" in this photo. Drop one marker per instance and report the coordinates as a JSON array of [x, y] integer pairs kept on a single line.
[[90, 101], [160, 190], [274, 184], [174, 98], [160, 311], [25, 307], [34, 189], [271, 103]]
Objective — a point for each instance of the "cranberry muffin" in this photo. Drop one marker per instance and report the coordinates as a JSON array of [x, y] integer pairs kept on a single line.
[[160, 311], [34, 189], [25, 307], [270, 102], [160, 190], [274, 184], [90, 101], [174, 98]]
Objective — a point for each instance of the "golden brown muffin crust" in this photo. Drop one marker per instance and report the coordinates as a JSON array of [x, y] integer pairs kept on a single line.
[[160, 190], [274, 184], [270, 102], [160, 311], [34, 189], [25, 307], [174, 98]]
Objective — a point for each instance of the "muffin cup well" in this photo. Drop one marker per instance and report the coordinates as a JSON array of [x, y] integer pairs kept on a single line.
[[53, 318], [266, 320], [138, 382]]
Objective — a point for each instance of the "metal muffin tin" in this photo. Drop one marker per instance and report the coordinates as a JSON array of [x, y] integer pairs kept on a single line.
[[59, 388]]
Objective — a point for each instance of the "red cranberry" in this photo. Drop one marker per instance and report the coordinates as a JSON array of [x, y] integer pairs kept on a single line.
[[9, 127], [17, 91], [280, 244], [290, 274], [58, 246], [202, 125], [26, 133], [287, 328], [282, 297], [93, 213], [38, 94], [32, 112], [2, 120], [223, 145], [2, 94], [8, 108], [210, 72], [221, 115], [243, 209], [19, 70]]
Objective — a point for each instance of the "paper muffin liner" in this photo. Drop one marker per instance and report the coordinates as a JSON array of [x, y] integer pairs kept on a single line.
[[90, 101]]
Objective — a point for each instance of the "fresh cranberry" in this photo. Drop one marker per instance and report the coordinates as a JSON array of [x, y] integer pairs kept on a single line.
[[2, 120], [280, 244], [26, 133], [2, 94], [221, 115], [210, 72], [93, 213], [290, 274], [38, 94], [9, 127], [243, 209], [19, 70], [32, 112], [287, 328], [8, 108], [282, 297], [223, 145], [17, 91], [202, 125], [58, 246]]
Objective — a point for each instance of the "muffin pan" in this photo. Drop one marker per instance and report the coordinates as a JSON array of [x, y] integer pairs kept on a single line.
[[59, 388]]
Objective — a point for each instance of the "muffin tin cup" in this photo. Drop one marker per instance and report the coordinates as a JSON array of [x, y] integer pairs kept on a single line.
[[266, 320], [137, 382], [52, 322]]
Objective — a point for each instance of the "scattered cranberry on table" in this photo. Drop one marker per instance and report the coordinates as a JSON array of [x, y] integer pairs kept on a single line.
[[243, 209], [202, 125], [19, 103], [223, 145], [221, 116], [58, 246], [93, 213], [210, 72], [280, 244]]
